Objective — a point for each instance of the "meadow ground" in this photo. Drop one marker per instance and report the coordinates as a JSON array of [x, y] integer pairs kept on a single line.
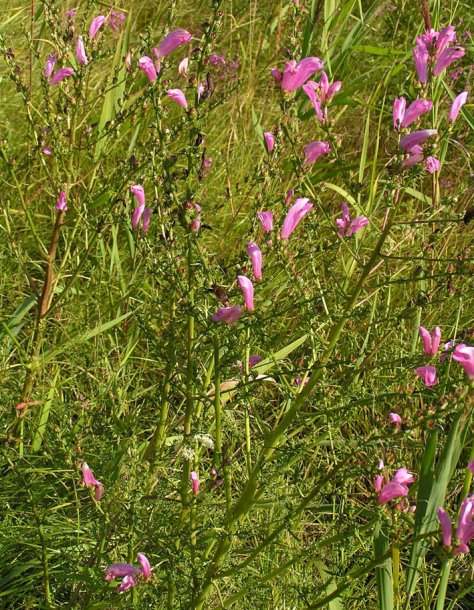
[[207, 407]]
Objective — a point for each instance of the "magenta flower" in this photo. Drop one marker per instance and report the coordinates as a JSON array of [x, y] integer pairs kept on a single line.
[[247, 290], [428, 374], [90, 481], [321, 94], [430, 342], [415, 110], [471, 466], [172, 41], [48, 70], [229, 315], [60, 75], [146, 219], [465, 529], [445, 37], [465, 526], [289, 196], [129, 573], [256, 259], [115, 19], [432, 164], [61, 204], [295, 214], [446, 58], [416, 156], [194, 482], [139, 194], [254, 359], [415, 138], [296, 74], [397, 487], [459, 101], [399, 106], [178, 96], [347, 226], [81, 52], [183, 67], [277, 75], [446, 526], [310, 88], [95, 25], [421, 57], [315, 150], [395, 419], [266, 218], [464, 354], [269, 140], [146, 64]]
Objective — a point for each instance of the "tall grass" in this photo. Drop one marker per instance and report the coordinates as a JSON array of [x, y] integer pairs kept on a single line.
[[109, 353]]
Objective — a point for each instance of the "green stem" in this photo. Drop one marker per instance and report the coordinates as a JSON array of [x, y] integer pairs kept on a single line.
[[443, 585]]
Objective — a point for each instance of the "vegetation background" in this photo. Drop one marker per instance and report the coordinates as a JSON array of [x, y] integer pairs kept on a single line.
[[124, 365]]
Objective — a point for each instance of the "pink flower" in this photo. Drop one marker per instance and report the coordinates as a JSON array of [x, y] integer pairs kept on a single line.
[[464, 354], [266, 218], [397, 487], [428, 374], [395, 419], [445, 37], [81, 52], [52, 58], [296, 74], [146, 64], [446, 526], [446, 58], [47, 150], [295, 214], [315, 150], [95, 25], [432, 164], [430, 342], [416, 155], [289, 196], [178, 96], [129, 573], [399, 106], [465, 526], [194, 482], [60, 75], [269, 140], [421, 56], [378, 483], [347, 226], [247, 290], [256, 259], [183, 67], [459, 101], [139, 194], [90, 481], [415, 138], [465, 529], [253, 360], [229, 315], [200, 90], [115, 19], [277, 75], [61, 204], [146, 219], [172, 41], [471, 466], [415, 110], [310, 89]]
